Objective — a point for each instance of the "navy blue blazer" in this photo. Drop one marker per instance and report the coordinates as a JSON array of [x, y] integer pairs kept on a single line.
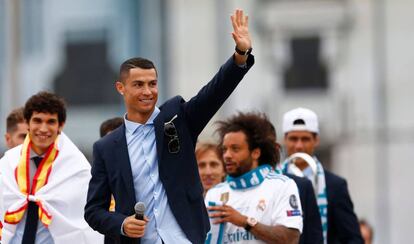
[[312, 226], [343, 226], [111, 169]]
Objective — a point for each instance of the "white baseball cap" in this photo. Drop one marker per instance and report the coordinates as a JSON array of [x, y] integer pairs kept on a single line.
[[308, 120]]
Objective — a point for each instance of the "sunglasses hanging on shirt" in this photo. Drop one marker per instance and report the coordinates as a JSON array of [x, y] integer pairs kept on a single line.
[[171, 132]]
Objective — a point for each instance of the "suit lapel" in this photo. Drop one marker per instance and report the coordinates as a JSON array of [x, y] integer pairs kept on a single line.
[[159, 134], [122, 156]]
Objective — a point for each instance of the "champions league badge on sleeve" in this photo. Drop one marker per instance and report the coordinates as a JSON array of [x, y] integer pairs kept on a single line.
[[293, 201]]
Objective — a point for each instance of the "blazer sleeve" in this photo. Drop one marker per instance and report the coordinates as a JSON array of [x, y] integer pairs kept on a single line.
[[312, 219], [345, 218], [99, 196], [202, 107]]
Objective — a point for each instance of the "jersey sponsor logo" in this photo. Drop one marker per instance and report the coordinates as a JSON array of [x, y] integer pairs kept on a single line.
[[292, 213], [293, 201], [239, 236]]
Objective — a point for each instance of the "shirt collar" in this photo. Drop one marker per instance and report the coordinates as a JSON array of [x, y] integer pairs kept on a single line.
[[131, 126], [33, 154]]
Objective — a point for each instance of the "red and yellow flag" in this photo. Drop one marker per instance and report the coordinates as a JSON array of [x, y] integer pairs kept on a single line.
[[39, 180]]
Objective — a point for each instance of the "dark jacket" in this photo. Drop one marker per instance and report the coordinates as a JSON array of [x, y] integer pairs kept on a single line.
[[111, 170], [343, 224], [312, 227]]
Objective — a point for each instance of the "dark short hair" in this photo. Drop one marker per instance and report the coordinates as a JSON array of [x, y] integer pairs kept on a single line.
[[132, 63], [45, 102], [259, 133], [15, 117], [110, 125]]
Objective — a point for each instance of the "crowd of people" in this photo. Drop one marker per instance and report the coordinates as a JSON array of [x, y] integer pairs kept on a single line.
[[236, 191]]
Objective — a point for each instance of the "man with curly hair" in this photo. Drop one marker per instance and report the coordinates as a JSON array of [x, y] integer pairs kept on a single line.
[[255, 204]]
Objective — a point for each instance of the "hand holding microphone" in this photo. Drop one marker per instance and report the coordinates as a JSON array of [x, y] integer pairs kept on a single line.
[[134, 225], [139, 210]]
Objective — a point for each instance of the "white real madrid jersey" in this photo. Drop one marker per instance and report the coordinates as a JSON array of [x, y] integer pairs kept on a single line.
[[274, 202]]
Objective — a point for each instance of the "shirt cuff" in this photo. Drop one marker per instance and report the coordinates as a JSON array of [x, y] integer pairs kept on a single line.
[[122, 228]]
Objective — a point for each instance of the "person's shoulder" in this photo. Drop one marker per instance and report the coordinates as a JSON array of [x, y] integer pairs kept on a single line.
[[333, 179], [278, 181], [216, 190], [174, 101], [220, 186], [273, 176], [9, 158], [172, 106], [112, 137], [15, 151], [299, 180]]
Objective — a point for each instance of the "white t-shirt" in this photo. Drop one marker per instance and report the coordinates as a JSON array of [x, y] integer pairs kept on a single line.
[[274, 202]]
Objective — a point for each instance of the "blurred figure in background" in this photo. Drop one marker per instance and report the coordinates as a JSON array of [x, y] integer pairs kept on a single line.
[[366, 231], [210, 165], [339, 221], [16, 129], [109, 125]]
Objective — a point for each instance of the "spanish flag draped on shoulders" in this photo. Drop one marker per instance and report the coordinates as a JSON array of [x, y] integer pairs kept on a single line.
[[59, 188]]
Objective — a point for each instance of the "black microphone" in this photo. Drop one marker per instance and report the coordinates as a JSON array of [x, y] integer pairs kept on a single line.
[[139, 210]]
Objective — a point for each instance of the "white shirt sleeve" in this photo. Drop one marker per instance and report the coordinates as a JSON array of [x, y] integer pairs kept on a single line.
[[287, 208]]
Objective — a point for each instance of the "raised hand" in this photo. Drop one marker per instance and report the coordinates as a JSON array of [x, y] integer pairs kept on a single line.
[[240, 32]]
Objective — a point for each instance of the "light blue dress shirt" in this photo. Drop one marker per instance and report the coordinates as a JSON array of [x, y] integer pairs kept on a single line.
[[142, 150], [42, 234]]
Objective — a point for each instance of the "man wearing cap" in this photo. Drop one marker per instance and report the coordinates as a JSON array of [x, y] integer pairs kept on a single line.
[[339, 222]]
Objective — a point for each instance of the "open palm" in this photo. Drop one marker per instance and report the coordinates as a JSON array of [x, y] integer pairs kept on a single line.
[[240, 32]]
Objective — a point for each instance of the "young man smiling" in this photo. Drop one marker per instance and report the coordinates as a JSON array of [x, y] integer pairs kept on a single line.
[[151, 159], [44, 180]]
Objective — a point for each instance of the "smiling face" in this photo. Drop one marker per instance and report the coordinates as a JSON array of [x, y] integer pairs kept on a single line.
[[43, 130], [140, 90], [238, 159]]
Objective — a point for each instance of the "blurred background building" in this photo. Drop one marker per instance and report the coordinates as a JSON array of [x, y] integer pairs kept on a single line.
[[348, 60]]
